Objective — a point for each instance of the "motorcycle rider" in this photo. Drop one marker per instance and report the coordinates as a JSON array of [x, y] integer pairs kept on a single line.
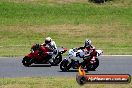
[[51, 45], [90, 49]]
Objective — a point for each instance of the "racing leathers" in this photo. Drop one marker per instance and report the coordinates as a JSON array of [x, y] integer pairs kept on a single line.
[[52, 49], [90, 52]]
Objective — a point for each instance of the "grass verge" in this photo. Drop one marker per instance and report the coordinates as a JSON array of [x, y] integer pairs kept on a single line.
[[17, 40]]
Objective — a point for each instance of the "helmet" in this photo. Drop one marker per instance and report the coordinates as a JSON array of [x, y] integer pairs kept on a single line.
[[87, 42], [48, 40]]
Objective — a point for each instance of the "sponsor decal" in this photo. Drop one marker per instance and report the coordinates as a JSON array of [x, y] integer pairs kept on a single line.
[[83, 78]]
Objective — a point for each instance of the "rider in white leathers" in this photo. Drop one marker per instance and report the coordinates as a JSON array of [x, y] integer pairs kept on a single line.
[[51, 46]]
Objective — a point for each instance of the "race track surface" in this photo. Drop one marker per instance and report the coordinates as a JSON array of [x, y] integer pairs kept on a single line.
[[12, 67]]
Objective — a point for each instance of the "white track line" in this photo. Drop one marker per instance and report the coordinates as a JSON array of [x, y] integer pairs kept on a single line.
[[117, 55]]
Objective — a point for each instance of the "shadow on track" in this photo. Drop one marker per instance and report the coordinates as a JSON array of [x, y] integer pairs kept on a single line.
[[75, 70], [41, 65], [69, 71]]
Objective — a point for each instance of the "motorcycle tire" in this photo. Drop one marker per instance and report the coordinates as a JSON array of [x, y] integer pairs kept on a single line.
[[27, 61], [57, 59], [64, 65], [93, 66]]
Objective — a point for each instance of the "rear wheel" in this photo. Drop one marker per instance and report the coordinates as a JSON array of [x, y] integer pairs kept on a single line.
[[93, 66], [65, 66], [27, 61], [57, 59]]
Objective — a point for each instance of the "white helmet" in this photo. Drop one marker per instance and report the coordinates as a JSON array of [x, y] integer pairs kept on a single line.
[[48, 40], [88, 43]]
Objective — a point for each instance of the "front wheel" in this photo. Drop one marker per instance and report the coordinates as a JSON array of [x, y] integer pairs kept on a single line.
[[27, 61], [93, 66], [65, 66]]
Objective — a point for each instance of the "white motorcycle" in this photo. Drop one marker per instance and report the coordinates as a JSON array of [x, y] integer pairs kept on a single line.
[[77, 57]]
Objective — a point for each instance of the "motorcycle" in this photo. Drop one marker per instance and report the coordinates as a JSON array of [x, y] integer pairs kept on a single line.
[[39, 56], [77, 57]]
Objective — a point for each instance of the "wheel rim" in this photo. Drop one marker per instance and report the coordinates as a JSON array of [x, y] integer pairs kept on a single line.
[[64, 66], [57, 59], [93, 66], [27, 61]]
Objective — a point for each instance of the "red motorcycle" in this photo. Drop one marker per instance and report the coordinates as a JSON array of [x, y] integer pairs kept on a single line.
[[39, 55]]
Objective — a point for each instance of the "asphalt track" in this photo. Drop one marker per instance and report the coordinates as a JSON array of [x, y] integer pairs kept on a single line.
[[12, 67]]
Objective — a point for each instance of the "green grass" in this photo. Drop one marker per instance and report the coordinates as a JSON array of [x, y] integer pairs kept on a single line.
[[52, 82], [46, 14], [69, 23]]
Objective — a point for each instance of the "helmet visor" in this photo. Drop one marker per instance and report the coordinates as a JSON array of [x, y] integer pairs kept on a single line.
[[47, 41]]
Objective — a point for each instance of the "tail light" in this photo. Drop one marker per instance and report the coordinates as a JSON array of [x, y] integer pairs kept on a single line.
[[65, 49]]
